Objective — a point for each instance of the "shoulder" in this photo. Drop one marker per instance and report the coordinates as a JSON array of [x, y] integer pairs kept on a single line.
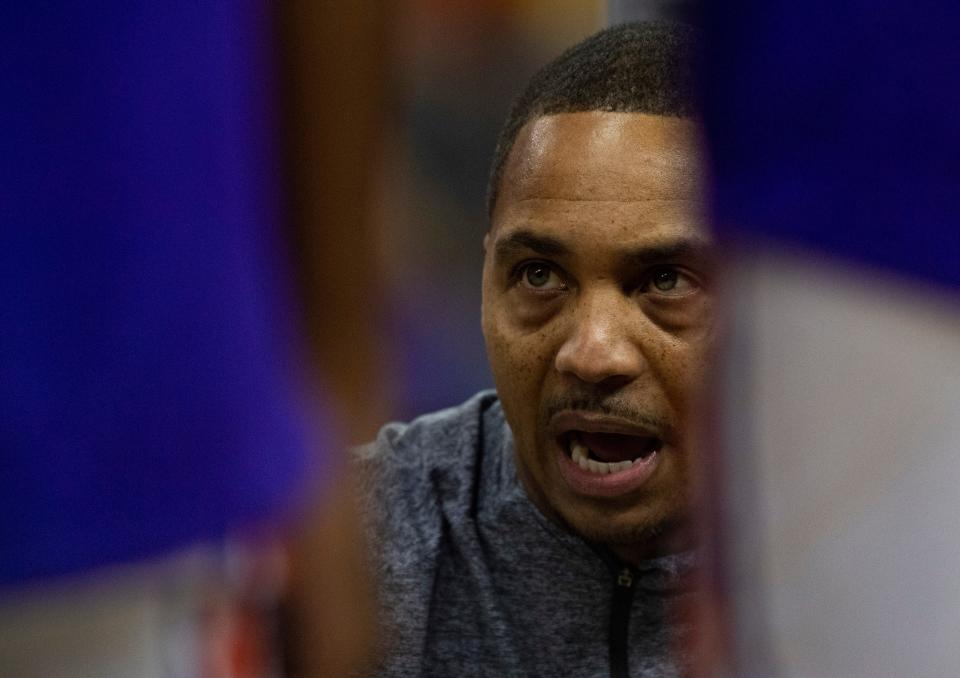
[[415, 472], [418, 483], [439, 439]]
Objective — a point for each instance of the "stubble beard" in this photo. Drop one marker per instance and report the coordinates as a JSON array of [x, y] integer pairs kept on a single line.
[[621, 531], [607, 525]]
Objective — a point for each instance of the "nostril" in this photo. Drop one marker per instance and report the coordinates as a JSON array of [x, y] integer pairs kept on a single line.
[[598, 357], [604, 371], [613, 383]]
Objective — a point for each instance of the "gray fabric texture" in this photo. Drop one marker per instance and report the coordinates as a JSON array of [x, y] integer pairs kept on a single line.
[[475, 581]]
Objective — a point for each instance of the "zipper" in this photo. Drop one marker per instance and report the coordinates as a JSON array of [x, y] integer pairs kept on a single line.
[[620, 623]]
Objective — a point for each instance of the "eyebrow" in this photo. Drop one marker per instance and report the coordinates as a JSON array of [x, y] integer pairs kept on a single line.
[[527, 240], [695, 249], [681, 248]]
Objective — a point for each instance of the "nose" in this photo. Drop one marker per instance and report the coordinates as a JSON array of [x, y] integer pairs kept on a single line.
[[602, 344]]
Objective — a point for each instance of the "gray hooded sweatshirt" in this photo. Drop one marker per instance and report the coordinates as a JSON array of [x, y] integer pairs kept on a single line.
[[475, 581]]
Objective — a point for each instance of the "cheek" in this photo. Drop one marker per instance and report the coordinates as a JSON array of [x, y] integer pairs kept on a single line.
[[519, 362], [690, 380], [514, 365], [682, 369]]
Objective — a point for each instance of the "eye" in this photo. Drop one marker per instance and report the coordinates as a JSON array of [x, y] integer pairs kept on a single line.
[[670, 281], [538, 275]]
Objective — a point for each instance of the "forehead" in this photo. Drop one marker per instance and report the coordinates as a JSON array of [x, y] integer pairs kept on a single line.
[[633, 171]]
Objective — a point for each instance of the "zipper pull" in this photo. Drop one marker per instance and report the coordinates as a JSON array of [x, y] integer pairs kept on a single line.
[[625, 578]]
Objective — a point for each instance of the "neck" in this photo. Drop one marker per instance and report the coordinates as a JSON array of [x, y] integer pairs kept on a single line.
[[670, 539]]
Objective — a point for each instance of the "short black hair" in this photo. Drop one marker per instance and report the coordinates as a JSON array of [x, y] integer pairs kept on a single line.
[[644, 67]]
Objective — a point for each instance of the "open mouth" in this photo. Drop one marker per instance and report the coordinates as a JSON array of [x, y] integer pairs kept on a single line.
[[606, 453]]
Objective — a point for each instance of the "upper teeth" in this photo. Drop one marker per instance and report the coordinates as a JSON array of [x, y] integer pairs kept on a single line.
[[580, 453]]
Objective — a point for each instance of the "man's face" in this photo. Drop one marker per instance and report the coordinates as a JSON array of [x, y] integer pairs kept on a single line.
[[597, 309]]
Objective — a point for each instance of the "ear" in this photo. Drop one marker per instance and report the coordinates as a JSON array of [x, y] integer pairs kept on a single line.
[[486, 242]]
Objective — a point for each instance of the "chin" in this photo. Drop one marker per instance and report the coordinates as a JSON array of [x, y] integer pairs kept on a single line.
[[626, 527]]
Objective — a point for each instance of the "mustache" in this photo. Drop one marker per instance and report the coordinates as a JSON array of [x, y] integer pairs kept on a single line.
[[611, 407]]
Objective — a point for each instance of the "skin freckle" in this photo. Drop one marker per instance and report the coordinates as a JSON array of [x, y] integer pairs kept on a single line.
[[604, 347]]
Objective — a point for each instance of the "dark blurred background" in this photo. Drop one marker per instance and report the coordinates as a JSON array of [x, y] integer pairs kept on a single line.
[[456, 67], [238, 236]]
